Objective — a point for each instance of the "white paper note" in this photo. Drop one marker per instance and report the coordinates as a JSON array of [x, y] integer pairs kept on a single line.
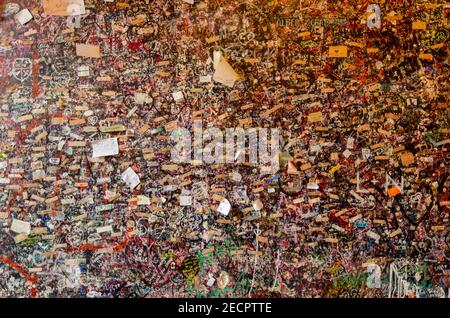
[[178, 96], [83, 71], [224, 207], [185, 200], [24, 16], [143, 200], [21, 227], [205, 79], [131, 178], [103, 229], [105, 147], [140, 98]]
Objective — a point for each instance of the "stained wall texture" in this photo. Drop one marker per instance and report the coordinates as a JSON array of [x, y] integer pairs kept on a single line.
[[116, 179]]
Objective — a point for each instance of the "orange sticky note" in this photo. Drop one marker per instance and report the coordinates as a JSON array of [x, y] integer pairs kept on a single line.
[[360, 45], [338, 51], [394, 18], [87, 50], [392, 192], [407, 158], [430, 5], [438, 46], [419, 25], [426, 56], [372, 50], [304, 34]]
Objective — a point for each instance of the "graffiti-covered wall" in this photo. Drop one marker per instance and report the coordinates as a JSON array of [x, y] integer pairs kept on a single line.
[[224, 148]]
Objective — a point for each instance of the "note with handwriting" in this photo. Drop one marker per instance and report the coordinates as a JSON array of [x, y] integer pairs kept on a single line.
[[64, 7]]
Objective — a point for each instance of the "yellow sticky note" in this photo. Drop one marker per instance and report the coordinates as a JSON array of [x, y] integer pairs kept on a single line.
[[304, 34], [360, 45], [372, 50], [419, 25], [334, 169], [315, 117], [122, 5], [338, 51]]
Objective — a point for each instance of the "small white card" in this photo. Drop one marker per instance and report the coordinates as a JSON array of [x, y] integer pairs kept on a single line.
[[104, 229], [185, 200], [21, 227], [140, 98], [105, 147], [205, 79], [178, 96], [83, 71], [24, 16], [143, 200], [224, 207], [131, 178]]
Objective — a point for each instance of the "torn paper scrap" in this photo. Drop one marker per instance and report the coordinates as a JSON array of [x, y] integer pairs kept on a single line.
[[224, 74], [87, 50], [105, 147], [131, 178], [21, 227], [64, 7]]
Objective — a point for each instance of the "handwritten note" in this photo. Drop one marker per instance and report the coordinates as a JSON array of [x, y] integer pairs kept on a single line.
[[64, 7], [131, 178], [105, 147], [87, 50]]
